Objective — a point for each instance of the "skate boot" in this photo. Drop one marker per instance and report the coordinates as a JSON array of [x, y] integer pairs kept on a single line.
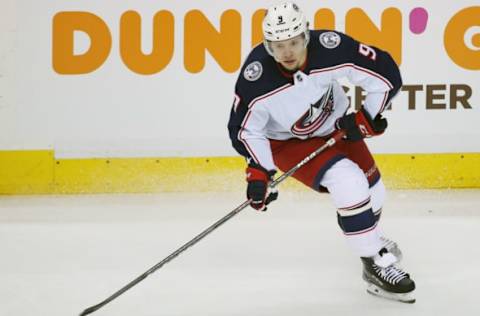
[[392, 247], [386, 280]]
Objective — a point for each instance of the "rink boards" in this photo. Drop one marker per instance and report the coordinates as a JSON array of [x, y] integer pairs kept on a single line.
[[111, 96]]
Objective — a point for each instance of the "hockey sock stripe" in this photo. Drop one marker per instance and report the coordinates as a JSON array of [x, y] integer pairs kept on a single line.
[[363, 203], [358, 223], [356, 209], [361, 231]]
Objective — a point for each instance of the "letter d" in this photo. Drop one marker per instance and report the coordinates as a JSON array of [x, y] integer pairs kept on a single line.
[[64, 60]]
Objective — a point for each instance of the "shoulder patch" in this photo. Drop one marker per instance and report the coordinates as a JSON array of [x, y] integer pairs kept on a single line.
[[330, 39], [253, 71]]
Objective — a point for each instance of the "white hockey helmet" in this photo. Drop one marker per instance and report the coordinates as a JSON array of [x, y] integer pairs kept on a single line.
[[282, 22]]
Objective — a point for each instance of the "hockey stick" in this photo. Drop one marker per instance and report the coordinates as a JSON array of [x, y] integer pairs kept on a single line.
[[336, 137]]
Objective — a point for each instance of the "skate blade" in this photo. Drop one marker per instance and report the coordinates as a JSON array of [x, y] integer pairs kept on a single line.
[[399, 297]]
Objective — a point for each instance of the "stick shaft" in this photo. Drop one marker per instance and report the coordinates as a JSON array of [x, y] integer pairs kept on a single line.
[[214, 226]]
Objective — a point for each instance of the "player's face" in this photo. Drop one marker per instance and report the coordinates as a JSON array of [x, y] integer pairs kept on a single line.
[[290, 53]]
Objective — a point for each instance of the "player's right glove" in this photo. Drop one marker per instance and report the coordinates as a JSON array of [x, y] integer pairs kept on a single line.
[[258, 179], [359, 125]]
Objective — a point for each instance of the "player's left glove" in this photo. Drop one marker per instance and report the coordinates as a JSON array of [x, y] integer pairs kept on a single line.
[[360, 125], [258, 179]]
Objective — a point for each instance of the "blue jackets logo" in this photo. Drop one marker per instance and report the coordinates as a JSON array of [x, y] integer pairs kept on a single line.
[[253, 71]]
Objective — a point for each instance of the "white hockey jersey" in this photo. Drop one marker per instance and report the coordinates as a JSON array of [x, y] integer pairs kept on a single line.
[[271, 103]]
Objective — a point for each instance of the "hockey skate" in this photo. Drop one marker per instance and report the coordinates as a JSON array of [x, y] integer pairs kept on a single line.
[[386, 280], [392, 247]]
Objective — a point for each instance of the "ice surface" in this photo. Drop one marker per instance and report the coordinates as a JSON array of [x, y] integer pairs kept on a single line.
[[60, 255]]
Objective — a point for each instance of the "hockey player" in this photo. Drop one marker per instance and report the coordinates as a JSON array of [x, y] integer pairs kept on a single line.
[[288, 103]]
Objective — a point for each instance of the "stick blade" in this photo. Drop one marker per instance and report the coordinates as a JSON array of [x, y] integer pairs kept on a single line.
[[90, 310]]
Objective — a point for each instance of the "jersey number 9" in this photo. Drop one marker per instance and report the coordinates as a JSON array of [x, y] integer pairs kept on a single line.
[[367, 51]]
